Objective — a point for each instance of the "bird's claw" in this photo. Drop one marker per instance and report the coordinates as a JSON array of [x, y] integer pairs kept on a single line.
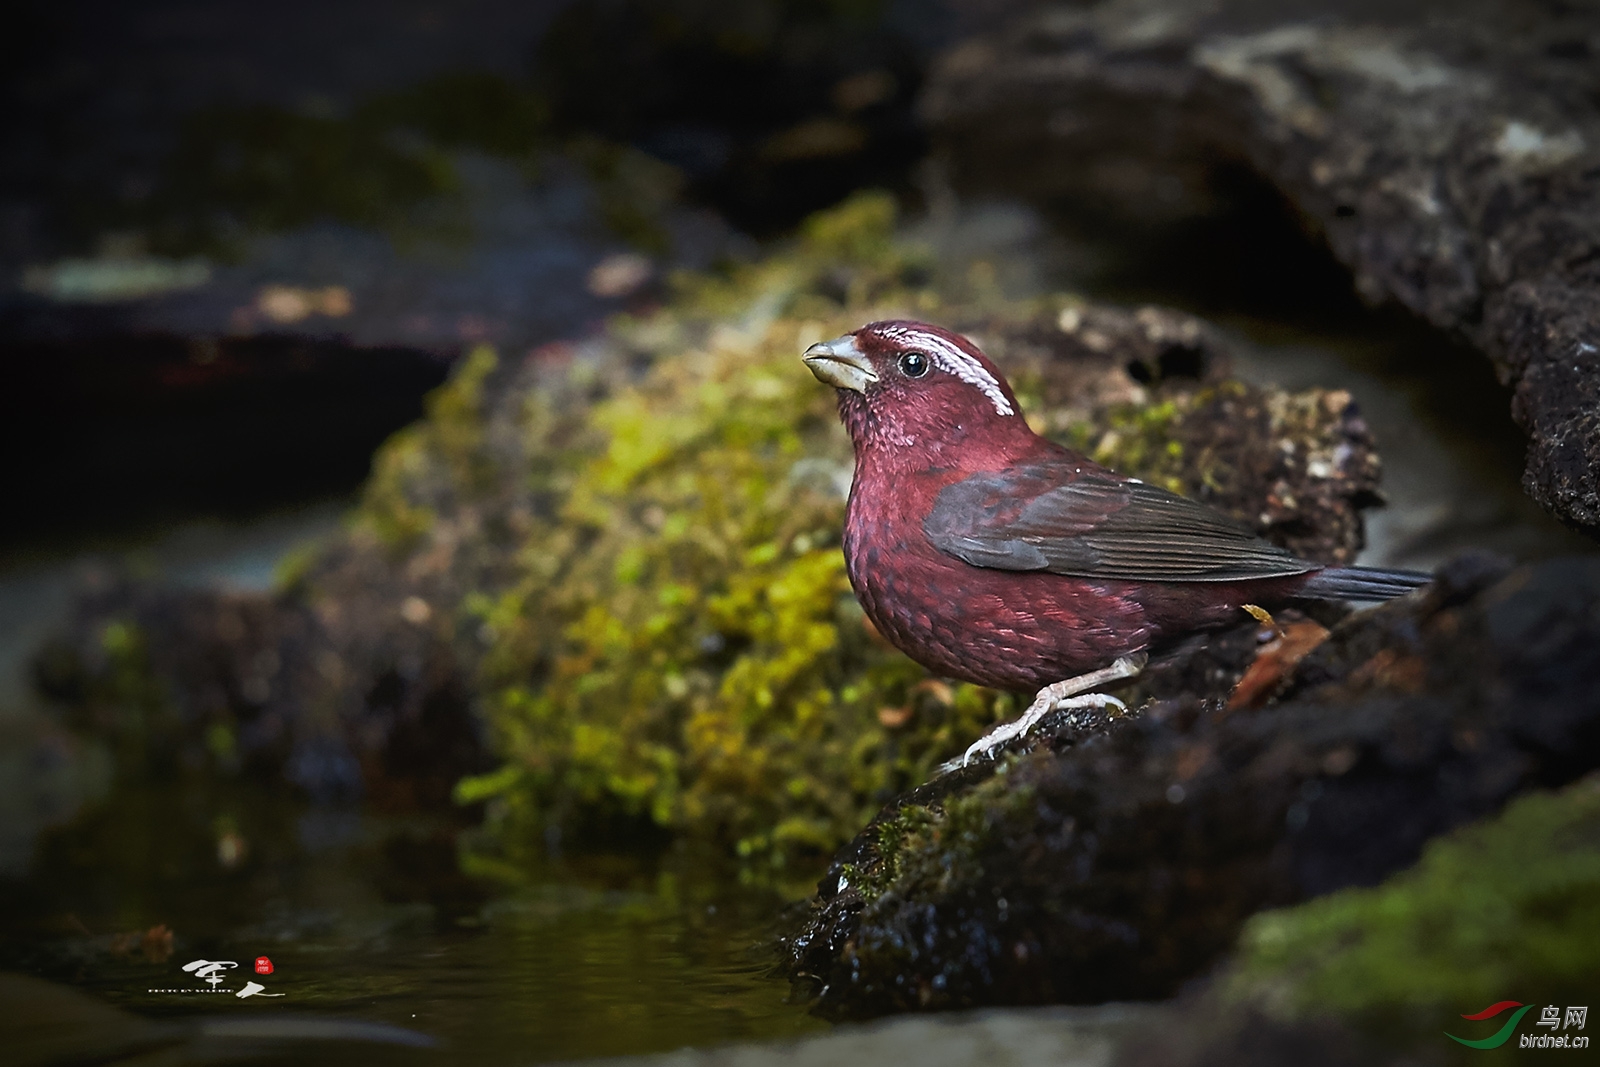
[[1043, 705], [1067, 693]]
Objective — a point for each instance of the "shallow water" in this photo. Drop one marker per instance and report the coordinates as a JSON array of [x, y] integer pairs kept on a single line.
[[372, 920], [364, 917], [555, 973]]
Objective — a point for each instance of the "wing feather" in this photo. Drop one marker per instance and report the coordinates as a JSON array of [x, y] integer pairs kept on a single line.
[[1059, 517]]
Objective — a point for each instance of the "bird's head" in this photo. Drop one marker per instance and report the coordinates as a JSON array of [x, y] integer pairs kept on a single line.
[[911, 387]]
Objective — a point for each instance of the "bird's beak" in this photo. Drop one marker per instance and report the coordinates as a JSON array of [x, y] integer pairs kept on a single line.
[[841, 364]]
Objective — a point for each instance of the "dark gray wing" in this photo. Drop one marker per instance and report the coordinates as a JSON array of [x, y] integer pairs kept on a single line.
[[1096, 525]]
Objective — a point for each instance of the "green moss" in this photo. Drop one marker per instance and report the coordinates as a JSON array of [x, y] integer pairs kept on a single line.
[[1138, 438], [445, 447], [125, 699], [942, 843], [1209, 442], [296, 567], [1505, 909], [682, 646], [674, 645], [126, 681]]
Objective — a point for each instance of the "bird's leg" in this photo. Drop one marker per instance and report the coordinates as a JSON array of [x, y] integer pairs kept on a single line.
[[1063, 694]]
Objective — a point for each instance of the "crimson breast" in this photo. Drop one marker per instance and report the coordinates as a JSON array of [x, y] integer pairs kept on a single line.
[[1008, 630]]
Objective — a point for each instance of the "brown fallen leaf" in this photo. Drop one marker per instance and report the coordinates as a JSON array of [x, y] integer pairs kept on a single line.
[[1274, 661], [894, 718], [155, 943], [1388, 669]]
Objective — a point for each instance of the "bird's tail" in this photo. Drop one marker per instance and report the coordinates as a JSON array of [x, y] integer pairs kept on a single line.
[[1361, 583]]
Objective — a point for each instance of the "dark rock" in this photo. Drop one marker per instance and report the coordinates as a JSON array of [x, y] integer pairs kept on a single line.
[[178, 217], [1445, 152], [139, 426], [771, 110], [264, 687], [274, 377], [1154, 384], [1119, 858]]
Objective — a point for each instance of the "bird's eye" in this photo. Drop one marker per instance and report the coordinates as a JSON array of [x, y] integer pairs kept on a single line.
[[913, 364]]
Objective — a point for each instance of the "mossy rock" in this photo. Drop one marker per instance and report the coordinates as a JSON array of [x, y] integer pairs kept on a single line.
[[622, 554], [680, 645], [1502, 910], [674, 643]]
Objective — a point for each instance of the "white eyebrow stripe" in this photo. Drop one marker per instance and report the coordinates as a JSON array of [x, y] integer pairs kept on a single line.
[[954, 361]]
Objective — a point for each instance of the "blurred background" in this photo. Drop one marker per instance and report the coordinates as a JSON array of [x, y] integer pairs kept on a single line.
[[239, 243]]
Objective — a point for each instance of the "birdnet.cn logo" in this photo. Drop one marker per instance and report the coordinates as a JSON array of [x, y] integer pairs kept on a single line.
[[1559, 1026], [215, 972]]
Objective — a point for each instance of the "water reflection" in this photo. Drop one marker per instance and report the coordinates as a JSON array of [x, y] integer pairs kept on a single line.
[[373, 920]]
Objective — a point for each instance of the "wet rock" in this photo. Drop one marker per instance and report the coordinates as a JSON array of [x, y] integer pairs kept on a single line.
[[1036, 1037], [1119, 858], [256, 686], [1446, 153]]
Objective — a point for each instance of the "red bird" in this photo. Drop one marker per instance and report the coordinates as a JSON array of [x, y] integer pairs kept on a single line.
[[988, 553]]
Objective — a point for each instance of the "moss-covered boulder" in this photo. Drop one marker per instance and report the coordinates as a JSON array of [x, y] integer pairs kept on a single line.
[[1494, 914], [680, 645], [619, 558]]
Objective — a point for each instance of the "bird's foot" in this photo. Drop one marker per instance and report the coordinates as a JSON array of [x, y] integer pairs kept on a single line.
[[1064, 694], [1020, 726]]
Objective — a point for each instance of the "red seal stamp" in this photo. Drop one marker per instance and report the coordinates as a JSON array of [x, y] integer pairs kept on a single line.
[[263, 965]]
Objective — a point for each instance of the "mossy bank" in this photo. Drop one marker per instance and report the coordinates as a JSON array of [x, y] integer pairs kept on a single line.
[[616, 560]]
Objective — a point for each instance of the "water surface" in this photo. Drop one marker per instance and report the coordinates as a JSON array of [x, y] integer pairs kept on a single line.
[[374, 920]]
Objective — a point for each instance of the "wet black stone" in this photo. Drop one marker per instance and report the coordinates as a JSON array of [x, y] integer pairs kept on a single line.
[[1121, 860], [257, 687]]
